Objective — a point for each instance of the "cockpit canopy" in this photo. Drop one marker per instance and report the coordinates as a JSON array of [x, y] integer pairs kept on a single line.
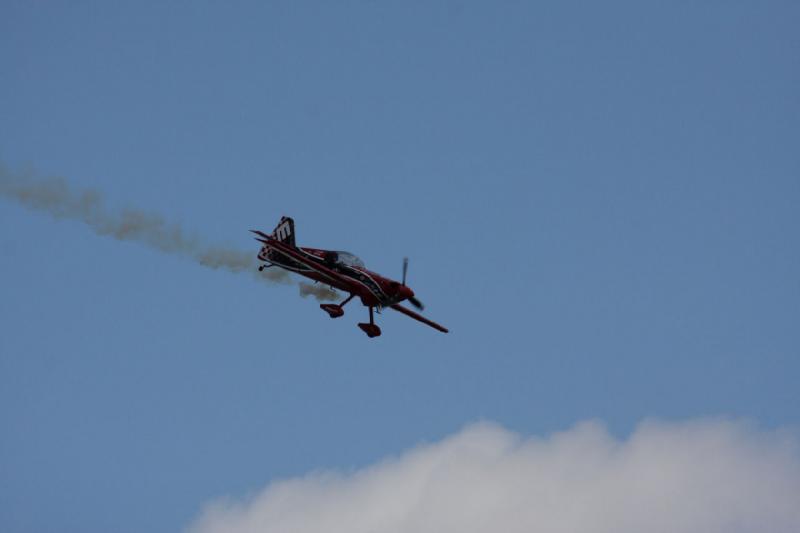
[[348, 259]]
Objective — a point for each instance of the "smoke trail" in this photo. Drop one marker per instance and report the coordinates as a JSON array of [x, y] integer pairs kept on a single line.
[[54, 196], [320, 292]]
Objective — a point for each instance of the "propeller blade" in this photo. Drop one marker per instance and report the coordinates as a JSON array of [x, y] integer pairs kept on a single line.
[[405, 269], [416, 303]]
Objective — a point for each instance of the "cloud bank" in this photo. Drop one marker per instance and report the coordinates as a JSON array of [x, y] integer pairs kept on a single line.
[[709, 476]]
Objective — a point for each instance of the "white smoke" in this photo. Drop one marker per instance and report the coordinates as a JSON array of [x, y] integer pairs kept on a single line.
[[54, 196], [318, 291], [696, 477]]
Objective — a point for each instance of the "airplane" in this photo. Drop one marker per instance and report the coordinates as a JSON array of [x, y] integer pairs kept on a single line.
[[341, 270]]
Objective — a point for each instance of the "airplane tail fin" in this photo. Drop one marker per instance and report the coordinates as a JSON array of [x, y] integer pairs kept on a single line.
[[284, 231]]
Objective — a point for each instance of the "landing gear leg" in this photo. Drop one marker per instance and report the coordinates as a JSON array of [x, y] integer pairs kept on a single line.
[[335, 311], [371, 329]]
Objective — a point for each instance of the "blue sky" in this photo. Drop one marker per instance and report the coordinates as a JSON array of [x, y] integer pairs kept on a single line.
[[600, 202]]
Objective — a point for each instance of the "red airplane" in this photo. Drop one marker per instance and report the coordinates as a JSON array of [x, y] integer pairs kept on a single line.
[[341, 270]]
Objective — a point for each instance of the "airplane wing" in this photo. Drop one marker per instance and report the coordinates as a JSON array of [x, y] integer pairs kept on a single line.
[[291, 252], [415, 316]]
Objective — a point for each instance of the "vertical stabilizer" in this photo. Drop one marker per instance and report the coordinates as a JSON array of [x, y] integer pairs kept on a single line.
[[284, 231]]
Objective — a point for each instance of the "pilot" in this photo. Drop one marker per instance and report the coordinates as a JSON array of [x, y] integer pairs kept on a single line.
[[331, 258]]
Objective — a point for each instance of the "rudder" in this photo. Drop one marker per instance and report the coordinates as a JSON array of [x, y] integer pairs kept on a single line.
[[284, 231]]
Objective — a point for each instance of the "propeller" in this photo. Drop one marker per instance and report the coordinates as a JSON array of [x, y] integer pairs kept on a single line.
[[416, 303], [411, 299]]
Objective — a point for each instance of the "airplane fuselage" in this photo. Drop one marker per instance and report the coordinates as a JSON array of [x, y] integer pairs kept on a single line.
[[372, 288]]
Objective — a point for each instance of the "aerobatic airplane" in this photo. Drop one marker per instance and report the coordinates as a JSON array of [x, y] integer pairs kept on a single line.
[[341, 270]]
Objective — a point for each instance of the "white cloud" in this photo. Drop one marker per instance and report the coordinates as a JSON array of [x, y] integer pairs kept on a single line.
[[703, 476]]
